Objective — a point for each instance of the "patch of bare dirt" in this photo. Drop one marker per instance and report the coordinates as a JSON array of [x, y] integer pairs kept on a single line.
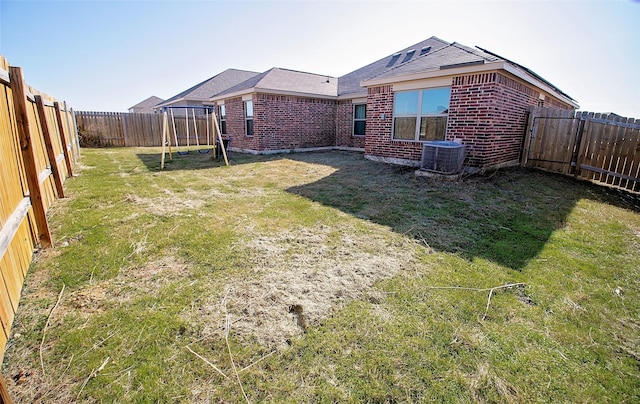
[[130, 283], [169, 205], [302, 277]]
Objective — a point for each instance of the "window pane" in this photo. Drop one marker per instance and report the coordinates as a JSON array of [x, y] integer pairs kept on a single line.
[[358, 128], [249, 108], [433, 127], [360, 111], [223, 127], [406, 103], [249, 127], [404, 128], [223, 111], [435, 101]]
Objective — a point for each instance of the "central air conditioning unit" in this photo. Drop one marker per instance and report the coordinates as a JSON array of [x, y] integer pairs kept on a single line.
[[442, 157]]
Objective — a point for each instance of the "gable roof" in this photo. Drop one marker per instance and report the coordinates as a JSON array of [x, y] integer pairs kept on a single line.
[[350, 82], [438, 62], [449, 56], [205, 90], [148, 103], [284, 81]]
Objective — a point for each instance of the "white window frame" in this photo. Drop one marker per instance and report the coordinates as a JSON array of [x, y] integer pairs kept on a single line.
[[353, 131], [418, 116], [248, 118], [223, 119]]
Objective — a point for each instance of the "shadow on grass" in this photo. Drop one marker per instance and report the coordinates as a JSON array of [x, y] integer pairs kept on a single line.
[[196, 160], [506, 216]]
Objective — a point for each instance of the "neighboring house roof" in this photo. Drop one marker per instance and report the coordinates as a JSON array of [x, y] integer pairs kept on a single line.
[[350, 83], [285, 81], [147, 104], [205, 90]]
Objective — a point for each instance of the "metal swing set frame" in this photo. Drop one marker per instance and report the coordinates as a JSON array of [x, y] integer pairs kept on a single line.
[[212, 124]]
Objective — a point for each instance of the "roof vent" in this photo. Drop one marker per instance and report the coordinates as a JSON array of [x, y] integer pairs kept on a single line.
[[442, 157], [409, 55], [394, 58], [425, 50]]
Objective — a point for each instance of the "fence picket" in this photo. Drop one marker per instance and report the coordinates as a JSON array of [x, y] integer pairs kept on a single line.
[[602, 148]]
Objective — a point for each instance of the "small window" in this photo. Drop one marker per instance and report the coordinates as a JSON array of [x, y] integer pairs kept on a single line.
[[359, 119], [223, 119], [421, 115], [248, 115]]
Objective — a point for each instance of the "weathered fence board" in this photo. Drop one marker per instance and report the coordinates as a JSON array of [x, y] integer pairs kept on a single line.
[[603, 148], [118, 129], [35, 137]]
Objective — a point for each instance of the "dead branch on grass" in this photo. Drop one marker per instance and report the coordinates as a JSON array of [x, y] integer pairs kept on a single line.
[[226, 340], [46, 325], [259, 360], [208, 363], [490, 290], [91, 376]]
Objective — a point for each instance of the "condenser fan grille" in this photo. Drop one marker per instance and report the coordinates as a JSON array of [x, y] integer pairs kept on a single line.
[[442, 157]]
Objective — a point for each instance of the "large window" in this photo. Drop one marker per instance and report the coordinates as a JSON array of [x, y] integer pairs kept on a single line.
[[223, 119], [248, 115], [359, 119], [421, 115]]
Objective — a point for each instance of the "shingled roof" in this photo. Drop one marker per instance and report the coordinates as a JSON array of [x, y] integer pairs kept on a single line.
[[146, 105], [285, 81], [350, 83], [205, 90]]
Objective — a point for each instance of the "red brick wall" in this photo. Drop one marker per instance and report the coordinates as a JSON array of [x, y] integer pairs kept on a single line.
[[487, 111], [235, 125], [378, 142], [344, 126], [472, 111], [287, 122]]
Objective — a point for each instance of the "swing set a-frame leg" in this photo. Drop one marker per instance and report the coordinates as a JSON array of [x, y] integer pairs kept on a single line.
[[166, 141], [219, 135]]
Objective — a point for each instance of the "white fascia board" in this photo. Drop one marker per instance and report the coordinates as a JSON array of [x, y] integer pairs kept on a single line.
[[166, 104], [521, 74], [454, 71], [238, 93], [295, 93], [272, 91], [349, 96]]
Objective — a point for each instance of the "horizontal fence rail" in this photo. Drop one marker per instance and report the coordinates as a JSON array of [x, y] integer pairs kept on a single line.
[[123, 129], [38, 150], [603, 148]]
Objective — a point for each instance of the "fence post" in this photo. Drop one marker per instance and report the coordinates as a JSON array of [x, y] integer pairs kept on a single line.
[[46, 135], [63, 137], [73, 132], [5, 398], [28, 155]]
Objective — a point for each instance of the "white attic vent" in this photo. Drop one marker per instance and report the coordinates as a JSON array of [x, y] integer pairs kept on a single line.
[[442, 157]]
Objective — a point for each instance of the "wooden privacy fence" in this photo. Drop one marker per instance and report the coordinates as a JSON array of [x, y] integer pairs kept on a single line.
[[38, 147], [604, 148], [120, 129]]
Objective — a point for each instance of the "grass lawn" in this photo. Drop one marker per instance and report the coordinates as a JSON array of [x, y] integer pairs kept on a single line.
[[325, 277]]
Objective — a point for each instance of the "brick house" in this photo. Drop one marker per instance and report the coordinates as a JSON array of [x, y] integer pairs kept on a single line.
[[433, 90], [279, 110]]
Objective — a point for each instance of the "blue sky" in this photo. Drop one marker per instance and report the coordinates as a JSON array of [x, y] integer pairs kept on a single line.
[[109, 55]]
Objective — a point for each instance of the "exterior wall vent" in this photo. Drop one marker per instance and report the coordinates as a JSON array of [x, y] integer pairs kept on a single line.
[[442, 157]]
